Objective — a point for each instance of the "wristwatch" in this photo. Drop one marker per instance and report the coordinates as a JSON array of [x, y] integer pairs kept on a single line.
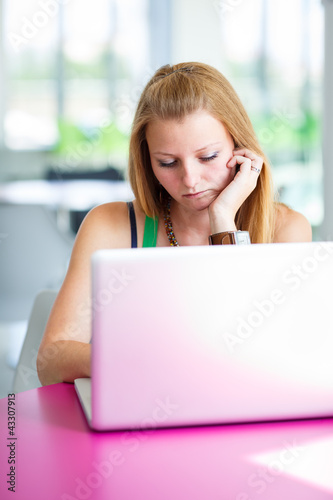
[[230, 238]]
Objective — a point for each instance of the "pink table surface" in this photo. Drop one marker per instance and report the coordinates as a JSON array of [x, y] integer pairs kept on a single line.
[[58, 457]]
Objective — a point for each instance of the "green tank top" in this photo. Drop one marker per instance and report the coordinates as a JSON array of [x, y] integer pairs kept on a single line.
[[150, 232]]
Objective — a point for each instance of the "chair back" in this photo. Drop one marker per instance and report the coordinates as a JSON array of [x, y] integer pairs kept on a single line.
[[26, 372]]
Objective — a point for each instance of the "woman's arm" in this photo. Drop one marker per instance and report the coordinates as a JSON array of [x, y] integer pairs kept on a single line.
[[64, 353], [63, 361], [291, 226]]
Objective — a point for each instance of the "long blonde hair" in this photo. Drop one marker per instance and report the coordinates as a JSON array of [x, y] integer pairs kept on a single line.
[[179, 90]]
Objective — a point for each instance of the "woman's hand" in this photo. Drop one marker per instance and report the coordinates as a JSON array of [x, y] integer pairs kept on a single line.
[[223, 210]]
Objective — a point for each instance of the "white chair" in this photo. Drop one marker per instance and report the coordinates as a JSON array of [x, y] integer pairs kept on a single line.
[[26, 372]]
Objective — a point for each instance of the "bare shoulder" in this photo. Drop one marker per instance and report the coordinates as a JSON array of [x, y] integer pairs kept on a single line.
[[105, 226], [290, 226], [108, 224], [107, 213]]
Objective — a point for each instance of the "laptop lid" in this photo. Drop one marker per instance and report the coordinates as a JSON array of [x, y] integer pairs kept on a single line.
[[207, 335]]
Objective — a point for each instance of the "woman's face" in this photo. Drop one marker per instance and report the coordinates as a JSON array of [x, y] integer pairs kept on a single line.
[[189, 158]]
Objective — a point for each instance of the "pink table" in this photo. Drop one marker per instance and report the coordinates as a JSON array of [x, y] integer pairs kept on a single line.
[[58, 457]]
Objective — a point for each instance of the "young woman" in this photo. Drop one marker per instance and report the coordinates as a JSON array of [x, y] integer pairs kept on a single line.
[[198, 174]]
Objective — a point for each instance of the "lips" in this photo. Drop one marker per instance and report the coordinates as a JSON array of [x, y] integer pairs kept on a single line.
[[194, 195]]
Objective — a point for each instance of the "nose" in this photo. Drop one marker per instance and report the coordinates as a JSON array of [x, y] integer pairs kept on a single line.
[[190, 174]]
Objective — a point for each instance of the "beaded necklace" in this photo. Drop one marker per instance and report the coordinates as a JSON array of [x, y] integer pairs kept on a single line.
[[168, 225]]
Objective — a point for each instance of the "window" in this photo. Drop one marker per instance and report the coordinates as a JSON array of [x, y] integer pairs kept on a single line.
[[273, 55], [71, 68]]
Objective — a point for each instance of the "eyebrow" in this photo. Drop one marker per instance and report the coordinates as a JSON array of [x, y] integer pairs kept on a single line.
[[197, 151]]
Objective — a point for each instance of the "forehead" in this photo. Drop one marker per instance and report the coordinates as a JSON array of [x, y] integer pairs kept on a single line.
[[196, 126]]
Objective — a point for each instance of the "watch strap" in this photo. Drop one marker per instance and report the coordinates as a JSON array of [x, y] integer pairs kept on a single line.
[[230, 238]]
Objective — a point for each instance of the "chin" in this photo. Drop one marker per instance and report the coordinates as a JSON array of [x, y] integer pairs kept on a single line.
[[201, 205]]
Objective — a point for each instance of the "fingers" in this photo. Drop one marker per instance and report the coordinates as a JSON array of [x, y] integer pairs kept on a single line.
[[245, 152], [248, 161], [239, 160]]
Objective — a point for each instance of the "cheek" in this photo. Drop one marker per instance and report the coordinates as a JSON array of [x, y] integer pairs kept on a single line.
[[164, 176], [223, 175]]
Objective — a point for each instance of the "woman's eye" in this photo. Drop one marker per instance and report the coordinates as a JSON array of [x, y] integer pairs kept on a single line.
[[166, 164], [209, 158]]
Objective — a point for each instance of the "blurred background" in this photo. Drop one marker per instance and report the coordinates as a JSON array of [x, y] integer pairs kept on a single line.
[[71, 75]]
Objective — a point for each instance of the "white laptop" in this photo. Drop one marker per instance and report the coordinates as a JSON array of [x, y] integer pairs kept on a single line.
[[210, 335]]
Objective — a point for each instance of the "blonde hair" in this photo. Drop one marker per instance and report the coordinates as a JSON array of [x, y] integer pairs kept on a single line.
[[179, 90]]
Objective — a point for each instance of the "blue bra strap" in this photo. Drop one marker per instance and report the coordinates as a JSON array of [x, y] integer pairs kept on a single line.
[[134, 237]]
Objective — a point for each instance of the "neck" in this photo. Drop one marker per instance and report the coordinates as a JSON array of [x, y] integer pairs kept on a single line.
[[190, 227]]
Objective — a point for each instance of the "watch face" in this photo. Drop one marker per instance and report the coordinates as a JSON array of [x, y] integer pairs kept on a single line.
[[242, 238]]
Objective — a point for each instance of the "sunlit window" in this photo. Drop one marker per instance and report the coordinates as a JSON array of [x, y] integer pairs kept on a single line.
[[74, 70], [71, 68], [273, 54], [31, 38]]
